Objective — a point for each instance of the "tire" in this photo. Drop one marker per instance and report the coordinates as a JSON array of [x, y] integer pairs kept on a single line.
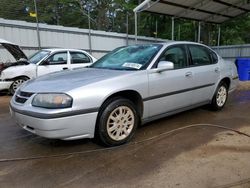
[[220, 97], [17, 82], [117, 122]]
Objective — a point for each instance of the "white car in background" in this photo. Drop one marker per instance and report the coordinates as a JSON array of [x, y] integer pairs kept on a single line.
[[45, 61]]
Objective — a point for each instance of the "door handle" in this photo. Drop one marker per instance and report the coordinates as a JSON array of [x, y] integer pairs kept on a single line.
[[188, 74], [65, 68], [217, 70]]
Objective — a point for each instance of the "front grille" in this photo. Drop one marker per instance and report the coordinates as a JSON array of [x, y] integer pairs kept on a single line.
[[22, 97]]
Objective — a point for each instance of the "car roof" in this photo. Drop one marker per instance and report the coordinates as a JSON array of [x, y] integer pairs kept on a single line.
[[171, 42], [62, 49], [180, 42]]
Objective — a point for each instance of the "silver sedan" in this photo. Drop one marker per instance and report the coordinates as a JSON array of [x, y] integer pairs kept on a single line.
[[129, 86]]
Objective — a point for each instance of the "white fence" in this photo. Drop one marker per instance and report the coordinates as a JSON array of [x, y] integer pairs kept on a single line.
[[234, 51], [24, 34]]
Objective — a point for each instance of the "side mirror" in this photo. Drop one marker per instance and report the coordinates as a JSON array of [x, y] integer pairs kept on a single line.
[[45, 62], [165, 65]]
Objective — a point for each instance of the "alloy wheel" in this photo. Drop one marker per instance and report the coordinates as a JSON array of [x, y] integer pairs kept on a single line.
[[221, 96], [17, 83], [120, 123]]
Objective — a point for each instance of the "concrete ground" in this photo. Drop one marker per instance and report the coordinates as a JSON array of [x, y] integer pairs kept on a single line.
[[195, 157]]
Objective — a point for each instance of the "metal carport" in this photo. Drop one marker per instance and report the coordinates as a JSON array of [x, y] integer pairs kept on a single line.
[[211, 11]]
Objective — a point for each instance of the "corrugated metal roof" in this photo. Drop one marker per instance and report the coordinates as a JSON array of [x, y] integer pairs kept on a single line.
[[214, 11]]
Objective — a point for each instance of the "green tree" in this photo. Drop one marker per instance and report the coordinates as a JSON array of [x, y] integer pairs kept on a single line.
[[111, 15]]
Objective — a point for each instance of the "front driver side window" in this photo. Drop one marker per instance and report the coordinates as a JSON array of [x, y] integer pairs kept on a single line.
[[176, 55], [58, 59]]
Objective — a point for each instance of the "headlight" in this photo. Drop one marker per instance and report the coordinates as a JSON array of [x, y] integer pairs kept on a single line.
[[52, 100]]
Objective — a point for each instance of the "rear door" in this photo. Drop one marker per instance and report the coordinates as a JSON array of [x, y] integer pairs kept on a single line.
[[206, 72], [79, 59], [55, 62]]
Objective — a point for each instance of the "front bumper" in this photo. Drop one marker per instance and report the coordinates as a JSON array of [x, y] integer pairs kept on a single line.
[[65, 128], [5, 84]]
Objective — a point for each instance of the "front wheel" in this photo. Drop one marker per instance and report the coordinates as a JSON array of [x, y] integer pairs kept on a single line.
[[220, 97], [16, 84], [117, 122]]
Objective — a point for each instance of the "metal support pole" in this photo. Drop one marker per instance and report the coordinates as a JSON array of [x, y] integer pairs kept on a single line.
[[179, 32], [156, 30], [199, 32], [90, 45], [37, 27], [127, 29], [218, 40], [136, 28], [172, 28]]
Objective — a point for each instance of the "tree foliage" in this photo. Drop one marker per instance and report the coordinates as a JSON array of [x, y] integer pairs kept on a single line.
[[113, 15]]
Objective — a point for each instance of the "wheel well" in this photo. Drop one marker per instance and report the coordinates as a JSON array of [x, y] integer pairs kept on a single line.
[[26, 77], [226, 81], [13, 79], [131, 95]]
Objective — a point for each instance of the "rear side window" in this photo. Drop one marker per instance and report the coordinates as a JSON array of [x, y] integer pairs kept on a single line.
[[200, 55], [79, 57], [213, 56]]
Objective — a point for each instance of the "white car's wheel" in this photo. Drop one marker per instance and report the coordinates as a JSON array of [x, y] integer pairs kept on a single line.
[[117, 122], [16, 84], [220, 97]]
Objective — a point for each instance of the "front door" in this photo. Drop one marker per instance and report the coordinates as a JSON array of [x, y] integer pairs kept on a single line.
[[56, 62], [172, 89]]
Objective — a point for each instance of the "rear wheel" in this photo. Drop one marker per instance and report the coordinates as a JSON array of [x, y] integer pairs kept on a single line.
[[220, 97], [16, 84], [117, 122]]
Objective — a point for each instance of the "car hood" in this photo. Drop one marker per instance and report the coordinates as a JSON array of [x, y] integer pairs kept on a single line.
[[64, 81], [14, 49], [16, 52]]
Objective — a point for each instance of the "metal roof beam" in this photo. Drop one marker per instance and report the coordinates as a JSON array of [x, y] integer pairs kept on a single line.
[[182, 17], [194, 9], [195, 5], [223, 9], [231, 5], [145, 5]]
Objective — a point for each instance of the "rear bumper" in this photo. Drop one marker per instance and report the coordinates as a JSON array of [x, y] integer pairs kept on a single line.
[[234, 84], [5, 84]]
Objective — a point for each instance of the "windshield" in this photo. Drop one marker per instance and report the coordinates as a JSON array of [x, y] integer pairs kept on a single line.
[[38, 56], [135, 57]]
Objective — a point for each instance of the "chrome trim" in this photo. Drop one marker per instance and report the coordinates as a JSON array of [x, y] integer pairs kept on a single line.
[[176, 92]]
